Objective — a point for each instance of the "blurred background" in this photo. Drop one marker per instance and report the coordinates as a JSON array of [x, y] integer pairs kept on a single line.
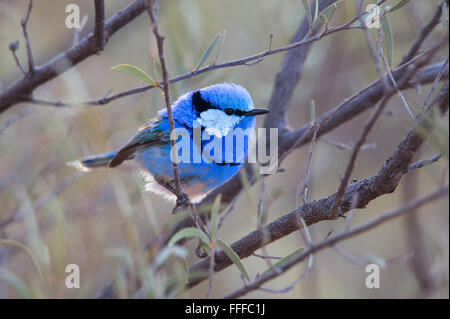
[[102, 220]]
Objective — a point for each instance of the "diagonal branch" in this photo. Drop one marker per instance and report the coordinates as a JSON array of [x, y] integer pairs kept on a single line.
[[99, 27], [24, 24], [65, 60], [408, 207]]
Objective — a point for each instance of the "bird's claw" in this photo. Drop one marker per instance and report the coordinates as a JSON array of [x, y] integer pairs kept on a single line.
[[182, 203]]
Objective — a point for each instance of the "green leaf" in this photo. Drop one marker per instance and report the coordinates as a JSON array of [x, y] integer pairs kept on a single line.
[[121, 254], [214, 215], [168, 252], [189, 232], [400, 4], [308, 10], [316, 11], [26, 250], [134, 71], [233, 256], [17, 283], [327, 13], [313, 111], [387, 30], [208, 50], [284, 261]]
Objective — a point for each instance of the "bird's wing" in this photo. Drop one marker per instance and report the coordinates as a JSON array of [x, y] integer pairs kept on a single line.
[[149, 134]]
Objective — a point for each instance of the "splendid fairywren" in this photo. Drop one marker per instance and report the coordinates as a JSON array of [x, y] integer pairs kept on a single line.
[[215, 111]]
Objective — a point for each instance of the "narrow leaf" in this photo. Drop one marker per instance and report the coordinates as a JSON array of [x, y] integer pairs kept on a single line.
[[26, 250], [168, 252], [313, 111], [15, 281], [134, 71], [214, 215], [328, 12], [283, 261], [316, 11], [387, 30], [189, 232], [233, 256], [400, 4], [208, 50], [308, 10]]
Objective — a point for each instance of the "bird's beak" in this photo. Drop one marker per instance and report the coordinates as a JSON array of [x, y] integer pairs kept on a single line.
[[257, 112]]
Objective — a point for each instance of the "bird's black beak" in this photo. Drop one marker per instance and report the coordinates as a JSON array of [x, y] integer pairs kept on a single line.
[[257, 112]]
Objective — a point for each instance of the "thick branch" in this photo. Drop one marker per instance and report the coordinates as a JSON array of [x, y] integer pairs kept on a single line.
[[99, 23], [62, 62]]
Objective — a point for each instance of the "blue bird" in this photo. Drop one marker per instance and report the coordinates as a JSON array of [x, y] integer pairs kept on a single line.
[[217, 111]]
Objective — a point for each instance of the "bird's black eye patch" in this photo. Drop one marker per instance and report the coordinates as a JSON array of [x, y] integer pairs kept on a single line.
[[199, 104], [229, 111]]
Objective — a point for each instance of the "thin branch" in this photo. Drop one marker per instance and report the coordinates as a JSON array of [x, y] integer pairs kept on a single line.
[[435, 83], [23, 88], [13, 46], [367, 128], [424, 162], [348, 147], [389, 71], [152, 7], [99, 28], [247, 61], [77, 31], [351, 163], [440, 192], [305, 273], [24, 23], [304, 193]]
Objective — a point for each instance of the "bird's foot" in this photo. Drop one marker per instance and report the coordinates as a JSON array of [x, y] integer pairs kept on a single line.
[[182, 203]]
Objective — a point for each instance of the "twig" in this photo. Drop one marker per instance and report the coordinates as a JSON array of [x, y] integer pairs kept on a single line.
[[351, 163], [99, 33], [24, 23], [22, 89], [304, 192], [348, 147], [211, 270], [305, 273], [77, 31], [13, 46], [247, 61], [227, 211], [435, 83], [152, 5], [440, 192], [265, 257], [394, 83], [367, 128], [424, 162]]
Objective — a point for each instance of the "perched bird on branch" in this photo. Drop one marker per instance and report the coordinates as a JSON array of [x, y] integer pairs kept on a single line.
[[205, 121]]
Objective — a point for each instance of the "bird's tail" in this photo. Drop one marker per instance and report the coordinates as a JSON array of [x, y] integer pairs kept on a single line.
[[85, 164]]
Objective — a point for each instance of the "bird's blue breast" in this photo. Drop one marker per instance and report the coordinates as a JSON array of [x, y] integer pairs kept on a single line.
[[196, 169]]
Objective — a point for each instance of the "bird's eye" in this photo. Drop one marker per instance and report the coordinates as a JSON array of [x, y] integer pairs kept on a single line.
[[229, 111]]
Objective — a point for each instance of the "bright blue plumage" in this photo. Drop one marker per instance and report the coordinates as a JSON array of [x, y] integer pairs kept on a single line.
[[215, 111]]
